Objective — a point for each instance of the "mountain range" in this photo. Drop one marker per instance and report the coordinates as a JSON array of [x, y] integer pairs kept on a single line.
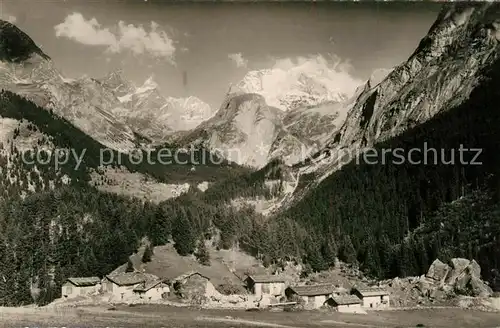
[[286, 186]]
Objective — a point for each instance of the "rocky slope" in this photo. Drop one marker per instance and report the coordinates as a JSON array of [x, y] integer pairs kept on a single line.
[[439, 75], [83, 102]]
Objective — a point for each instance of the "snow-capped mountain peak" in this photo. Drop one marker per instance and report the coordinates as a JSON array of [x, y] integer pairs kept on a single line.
[[148, 85], [310, 82], [157, 116]]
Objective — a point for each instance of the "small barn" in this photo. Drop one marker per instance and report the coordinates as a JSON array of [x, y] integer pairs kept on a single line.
[[152, 290], [372, 297], [121, 285], [313, 296], [80, 286], [265, 285], [346, 303]]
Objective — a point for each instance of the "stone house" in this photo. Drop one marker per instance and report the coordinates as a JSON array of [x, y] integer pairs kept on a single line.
[[312, 296], [152, 290], [192, 285], [265, 285], [346, 303], [121, 285], [372, 297], [80, 286]]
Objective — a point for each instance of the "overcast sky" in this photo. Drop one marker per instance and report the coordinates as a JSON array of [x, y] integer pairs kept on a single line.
[[216, 44]]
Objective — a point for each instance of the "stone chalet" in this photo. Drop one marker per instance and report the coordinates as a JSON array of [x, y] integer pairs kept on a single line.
[[80, 286], [313, 296], [122, 285], [191, 284], [265, 285], [372, 297], [152, 290], [346, 303]]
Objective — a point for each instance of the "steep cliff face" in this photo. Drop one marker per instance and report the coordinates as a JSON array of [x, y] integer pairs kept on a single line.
[[305, 130], [439, 75], [242, 131]]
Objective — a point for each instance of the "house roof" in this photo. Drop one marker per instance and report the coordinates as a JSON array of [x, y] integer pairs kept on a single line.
[[147, 285], [313, 290], [84, 281], [131, 278], [372, 291], [266, 278], [346, 299], [186, 275]]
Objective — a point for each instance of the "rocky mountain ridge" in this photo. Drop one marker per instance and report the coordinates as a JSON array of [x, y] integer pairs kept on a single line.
[[155, 116], [110, 109], [441, 73]]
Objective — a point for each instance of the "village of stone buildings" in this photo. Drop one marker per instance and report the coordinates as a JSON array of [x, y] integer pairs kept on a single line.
[[242, 284]]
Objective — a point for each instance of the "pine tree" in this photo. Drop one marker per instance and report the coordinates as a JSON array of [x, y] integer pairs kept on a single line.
[[329, 251], [182, 234], [347, 251], [148, 254], [202, 254], [130, 265], [160, 227]]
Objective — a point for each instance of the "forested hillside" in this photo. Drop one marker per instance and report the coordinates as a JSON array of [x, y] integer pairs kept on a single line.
[[397, 218], [79, 231], [63, 135]]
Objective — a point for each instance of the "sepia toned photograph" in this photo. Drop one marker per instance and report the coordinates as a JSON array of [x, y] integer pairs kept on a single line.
[[239, 164]]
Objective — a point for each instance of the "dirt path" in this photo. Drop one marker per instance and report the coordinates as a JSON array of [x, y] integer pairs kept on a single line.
[[245, 322], [348, 324]]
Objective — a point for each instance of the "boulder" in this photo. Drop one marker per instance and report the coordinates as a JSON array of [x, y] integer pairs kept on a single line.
[[478, 288], [438, 271], [458, 265], [474, 269], [461, 283], [467, 280]]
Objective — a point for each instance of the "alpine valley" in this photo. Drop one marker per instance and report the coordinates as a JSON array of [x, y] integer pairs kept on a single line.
[[287, 185]]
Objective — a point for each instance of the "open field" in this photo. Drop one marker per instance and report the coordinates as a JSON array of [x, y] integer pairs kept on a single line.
[[149, 316]]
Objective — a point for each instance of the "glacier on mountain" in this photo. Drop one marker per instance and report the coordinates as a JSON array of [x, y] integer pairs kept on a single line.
[[306, 82], [156, 116]]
